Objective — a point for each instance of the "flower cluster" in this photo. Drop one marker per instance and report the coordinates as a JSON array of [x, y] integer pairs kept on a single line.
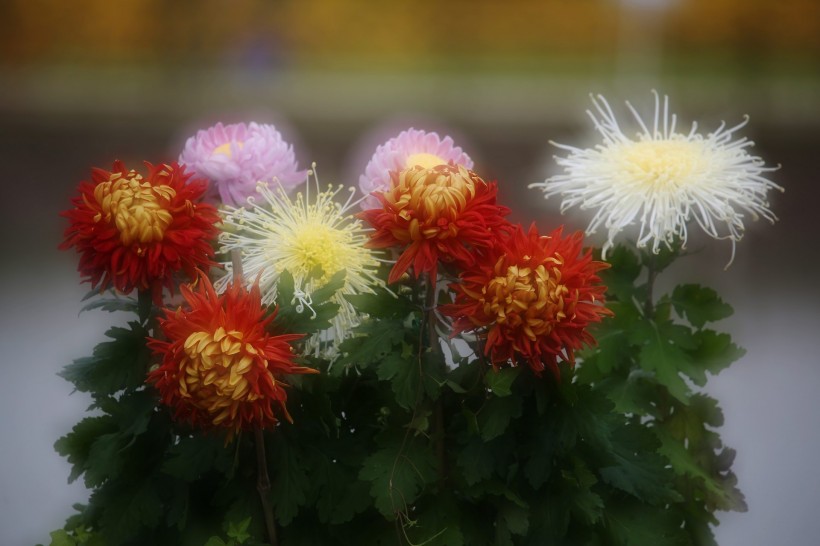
[[529, 298], [370, 292]]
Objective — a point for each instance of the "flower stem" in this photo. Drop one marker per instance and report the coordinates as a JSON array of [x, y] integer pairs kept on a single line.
[[263, 485], [652, 273], [262, 477], [435, 348]]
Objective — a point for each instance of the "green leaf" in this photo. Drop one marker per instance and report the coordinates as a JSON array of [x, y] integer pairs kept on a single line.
[[398, 472], [579, 480], [76, 445], [699, 304], [239, 531], [620, 277], [127, 508], [112, 305], [191, 457], [630, 394], [115, 365], [375, 341], [404, 376], [715, 351], [496, 415], [294, 316], [638, 469], [663, 357], [684, 464], [61, 538], [476, 460], [340, 495], [289, 481], [500, 381], [634, 525]]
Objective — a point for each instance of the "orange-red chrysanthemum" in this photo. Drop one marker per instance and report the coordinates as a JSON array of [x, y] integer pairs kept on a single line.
[[220, 367], [434, 214], [135, 232], [531, 296]]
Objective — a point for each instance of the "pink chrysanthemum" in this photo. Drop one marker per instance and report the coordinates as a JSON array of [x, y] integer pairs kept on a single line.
[[410, 148], [235, 157]]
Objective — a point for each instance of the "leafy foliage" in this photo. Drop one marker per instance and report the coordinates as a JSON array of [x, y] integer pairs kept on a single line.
[[652, 357], [399, 442]]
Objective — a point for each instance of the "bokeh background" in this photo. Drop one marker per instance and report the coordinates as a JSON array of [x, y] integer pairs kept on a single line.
[[88, 81]]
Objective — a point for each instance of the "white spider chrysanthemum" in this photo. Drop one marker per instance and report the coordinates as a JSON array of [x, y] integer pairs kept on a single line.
[[662, 179], [277, 233]]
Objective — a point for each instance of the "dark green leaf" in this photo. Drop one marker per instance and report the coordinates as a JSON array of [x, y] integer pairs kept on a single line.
[[496, 415], [398, 472], [76, 445], [375, 341], [115, 365], [127, 508], [112, 305], [500, 381], [476, 461], [192, 457], [620, 277], [638, 469], [699, 304], [405, 378], [715, 351], [289, 481]]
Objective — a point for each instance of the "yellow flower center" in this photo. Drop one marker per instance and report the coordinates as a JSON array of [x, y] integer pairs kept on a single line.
[[526, 298], [317, 244], [138, 209], [424, 160], [214, 372], [432, 200], [662, 164], [225, 149]]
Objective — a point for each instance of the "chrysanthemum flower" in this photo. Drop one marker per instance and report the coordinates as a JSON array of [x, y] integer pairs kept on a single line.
[[235, 157], [408, 149], [530, 296], [135, 232], [220, 366], [303, 235], [434, 214], [662, 179]]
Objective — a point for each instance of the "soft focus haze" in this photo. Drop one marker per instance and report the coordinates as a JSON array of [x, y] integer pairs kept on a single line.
[[88, 81]]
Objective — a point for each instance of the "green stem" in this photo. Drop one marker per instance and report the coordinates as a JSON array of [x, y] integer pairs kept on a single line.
[[263, 485], [429, 318], [652, 273]]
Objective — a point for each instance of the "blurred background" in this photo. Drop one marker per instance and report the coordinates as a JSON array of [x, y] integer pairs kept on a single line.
[[88, 81]]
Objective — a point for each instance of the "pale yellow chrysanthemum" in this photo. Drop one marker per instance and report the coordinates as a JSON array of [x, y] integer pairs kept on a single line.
[[662, 179], [276, 233]]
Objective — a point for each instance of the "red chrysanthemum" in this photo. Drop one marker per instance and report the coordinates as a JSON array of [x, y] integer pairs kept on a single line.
[[435, 213], [135, 232], [220, 366], [531, 296]]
